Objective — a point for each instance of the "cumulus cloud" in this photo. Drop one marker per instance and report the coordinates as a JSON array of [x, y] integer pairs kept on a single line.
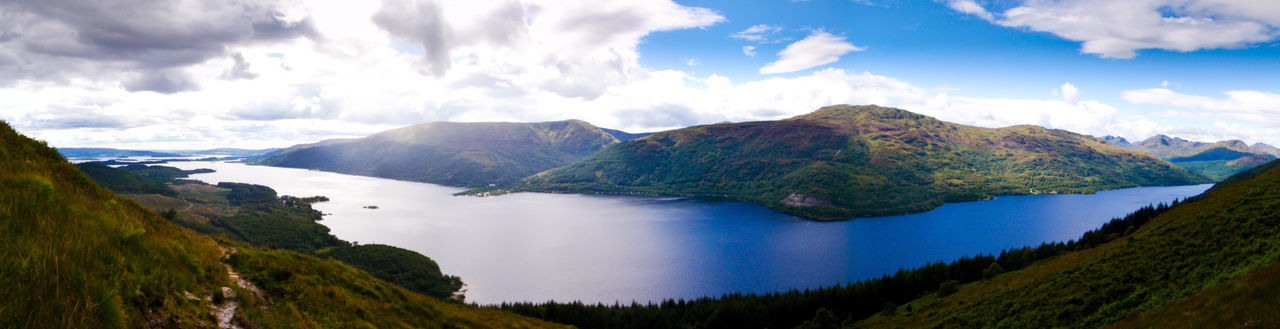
[[1070, 93], [750, 51], [762, 33], [819, 48], [1118, 29]]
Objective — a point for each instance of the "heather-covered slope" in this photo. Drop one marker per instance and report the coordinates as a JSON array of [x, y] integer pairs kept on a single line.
[[75, 255], [453, 153], [845, 161]]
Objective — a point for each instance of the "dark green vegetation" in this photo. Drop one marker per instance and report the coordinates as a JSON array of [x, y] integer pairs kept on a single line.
[[123, 182], [1203, 264], [452, 153], [78, 256], [849, 303], [87, 152], [399, 266], [845, 161], [257, 215]]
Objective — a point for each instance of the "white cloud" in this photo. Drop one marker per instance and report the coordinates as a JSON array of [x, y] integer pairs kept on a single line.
[[692, 61], [971, 8], [761, 33], [1069, 93], [750, 51], [1118, 29], [819, 48]]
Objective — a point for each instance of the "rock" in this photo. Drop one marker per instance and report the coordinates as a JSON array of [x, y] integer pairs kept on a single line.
[[228, 293], [190, 296]]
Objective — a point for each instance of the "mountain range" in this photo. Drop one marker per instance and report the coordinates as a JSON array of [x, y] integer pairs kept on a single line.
[[1217, 160], [845, 161], [455, 154], [1165, 147]]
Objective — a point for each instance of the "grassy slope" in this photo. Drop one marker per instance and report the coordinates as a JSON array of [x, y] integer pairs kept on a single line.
[[857, 161], [1210, 250], [77, 256], [451, 153]]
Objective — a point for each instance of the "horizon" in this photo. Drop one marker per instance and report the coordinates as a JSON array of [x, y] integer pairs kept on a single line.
[[178, 76]]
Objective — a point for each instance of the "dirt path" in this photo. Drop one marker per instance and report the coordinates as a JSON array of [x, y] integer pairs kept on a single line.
[[225, 312]]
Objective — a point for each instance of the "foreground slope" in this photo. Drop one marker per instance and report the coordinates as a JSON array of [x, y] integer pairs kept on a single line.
[[75, 255], [1203, 263], [844, 161], [453, 153]]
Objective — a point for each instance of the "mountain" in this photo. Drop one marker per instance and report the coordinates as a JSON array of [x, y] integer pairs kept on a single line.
[[1210, 262], [1117, 141], [1221, 162], [1214, 160], [453, 153], [235, 152], [1165, 147], [844, 161], [78, 256], [87, 152]]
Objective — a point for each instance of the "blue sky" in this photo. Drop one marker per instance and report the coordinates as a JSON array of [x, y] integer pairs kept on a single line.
[[285, 72]]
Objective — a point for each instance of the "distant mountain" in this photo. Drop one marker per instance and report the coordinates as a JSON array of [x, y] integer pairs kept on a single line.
[[844, 161], [1117, 141], [235, 152], [76, 255], [454, 153], [1216, 160], [1165, 147], [1206, 263], [90, 152]]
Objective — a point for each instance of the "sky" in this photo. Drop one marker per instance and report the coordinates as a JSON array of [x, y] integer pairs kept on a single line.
[[185, 74]]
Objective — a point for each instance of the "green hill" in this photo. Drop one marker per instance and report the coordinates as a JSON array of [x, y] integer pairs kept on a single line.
[[845, 161], [78, 256], [1207, 263], [453, 153]]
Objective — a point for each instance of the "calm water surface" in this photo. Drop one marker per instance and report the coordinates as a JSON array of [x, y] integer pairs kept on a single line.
[[537, 247]]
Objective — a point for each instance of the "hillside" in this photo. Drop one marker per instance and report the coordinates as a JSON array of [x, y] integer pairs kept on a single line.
[[845, 161], [78, 256], [1207, 263], [1221, 162], [453, 153]]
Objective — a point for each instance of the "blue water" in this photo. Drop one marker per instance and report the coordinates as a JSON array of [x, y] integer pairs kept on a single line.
[[537, 247]]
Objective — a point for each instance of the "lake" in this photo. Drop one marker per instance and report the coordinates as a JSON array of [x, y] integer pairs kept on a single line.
[[538, 247]]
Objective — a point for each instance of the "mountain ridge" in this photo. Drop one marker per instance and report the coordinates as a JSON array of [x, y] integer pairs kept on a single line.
[[452, 153]]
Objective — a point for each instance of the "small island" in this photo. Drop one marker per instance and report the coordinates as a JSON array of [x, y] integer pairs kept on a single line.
[[370, 207]]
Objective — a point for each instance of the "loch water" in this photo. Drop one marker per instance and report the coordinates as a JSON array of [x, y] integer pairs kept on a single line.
[[593, 248]]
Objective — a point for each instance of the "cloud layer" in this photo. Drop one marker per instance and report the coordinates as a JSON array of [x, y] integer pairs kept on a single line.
[[267, 73]]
